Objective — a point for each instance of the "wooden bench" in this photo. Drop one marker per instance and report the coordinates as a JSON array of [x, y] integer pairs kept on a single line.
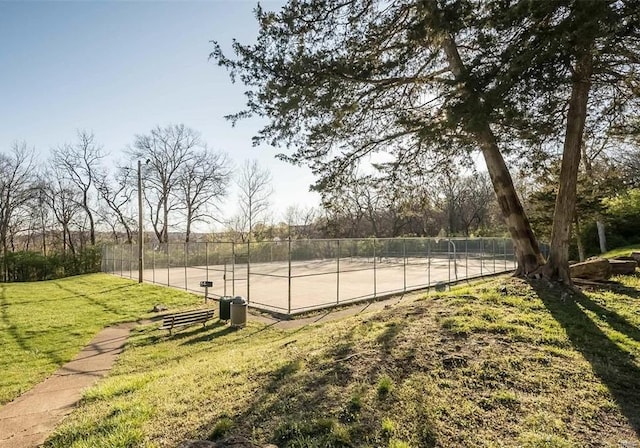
[[186, 318]]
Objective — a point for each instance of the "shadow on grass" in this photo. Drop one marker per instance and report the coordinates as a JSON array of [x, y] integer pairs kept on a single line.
[[91, 298], [187, 335], [13, 331], [622, 289], [59, 299], [611, 364], [317, 401], [612, 318], [204, 334]]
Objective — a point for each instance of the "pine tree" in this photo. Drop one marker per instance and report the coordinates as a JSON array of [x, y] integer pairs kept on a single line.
[[340, 80]]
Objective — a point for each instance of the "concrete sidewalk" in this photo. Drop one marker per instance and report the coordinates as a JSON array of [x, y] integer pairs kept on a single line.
[[28, 420]]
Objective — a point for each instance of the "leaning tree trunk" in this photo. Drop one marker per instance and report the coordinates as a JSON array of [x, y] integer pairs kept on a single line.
[[525, 243], [557, 267]]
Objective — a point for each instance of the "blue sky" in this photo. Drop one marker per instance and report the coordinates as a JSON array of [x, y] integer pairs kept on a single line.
[[120, 68]]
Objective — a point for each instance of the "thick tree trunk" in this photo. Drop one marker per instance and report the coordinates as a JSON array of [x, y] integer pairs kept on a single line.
[[165, 224], [557, 267], [525, 243]]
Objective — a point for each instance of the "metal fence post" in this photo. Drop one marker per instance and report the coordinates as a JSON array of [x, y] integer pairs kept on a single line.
[[289, 278], [449, 261], [404, 263], [338, 275], [466, 258], [375, 269], [481, 256], [233, 268], [428, 265], [224, 279], [248, 270], [493, 253], [505, 254], [168, 266], [185, 260], [153, 265]]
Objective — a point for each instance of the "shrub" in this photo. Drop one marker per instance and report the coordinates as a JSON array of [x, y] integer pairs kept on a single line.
[[28, 266]]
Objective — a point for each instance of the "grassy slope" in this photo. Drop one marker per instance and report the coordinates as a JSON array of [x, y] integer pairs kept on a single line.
[[622, 251], [501, 363], [45, 324]]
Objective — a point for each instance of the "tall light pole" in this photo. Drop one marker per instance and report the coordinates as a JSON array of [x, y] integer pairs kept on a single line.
[[140, 227]]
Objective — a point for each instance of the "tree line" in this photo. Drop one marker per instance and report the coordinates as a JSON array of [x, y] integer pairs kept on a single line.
[[62, 208], [437, 80], [55, 217], [379, 99], [59, 206]]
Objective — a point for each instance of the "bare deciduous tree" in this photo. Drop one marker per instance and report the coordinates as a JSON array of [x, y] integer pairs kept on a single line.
[[166, 151], [79, 163], [116, 194], [300, 221], [255, 189], [63, 199], [16, 179], [202, 182]]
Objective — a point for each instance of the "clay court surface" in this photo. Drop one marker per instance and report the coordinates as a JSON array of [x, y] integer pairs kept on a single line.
[[313, 284]]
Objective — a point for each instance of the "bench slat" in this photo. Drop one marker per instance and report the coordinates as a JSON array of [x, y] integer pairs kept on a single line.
[[186, 318], [189, 313], [183, 321]]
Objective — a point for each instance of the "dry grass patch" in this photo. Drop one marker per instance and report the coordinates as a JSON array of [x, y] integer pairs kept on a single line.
[[499, 363]]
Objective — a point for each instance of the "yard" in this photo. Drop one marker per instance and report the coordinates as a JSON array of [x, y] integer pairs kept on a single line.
[[45, 324], [502, 362]]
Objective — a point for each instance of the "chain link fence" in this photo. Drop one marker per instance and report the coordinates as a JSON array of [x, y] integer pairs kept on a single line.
[[298, 275]]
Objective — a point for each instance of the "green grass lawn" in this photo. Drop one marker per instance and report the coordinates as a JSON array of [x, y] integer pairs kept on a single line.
[[622, 251], [493, 364], [45, 324]]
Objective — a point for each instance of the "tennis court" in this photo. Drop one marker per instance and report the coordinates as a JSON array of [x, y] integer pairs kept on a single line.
[[333, 272]]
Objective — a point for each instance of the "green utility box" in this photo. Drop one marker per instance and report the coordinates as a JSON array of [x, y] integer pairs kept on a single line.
[[225, 307]]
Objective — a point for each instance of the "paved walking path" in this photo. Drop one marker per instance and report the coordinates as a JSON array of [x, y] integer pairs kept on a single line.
[[27, 421]]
